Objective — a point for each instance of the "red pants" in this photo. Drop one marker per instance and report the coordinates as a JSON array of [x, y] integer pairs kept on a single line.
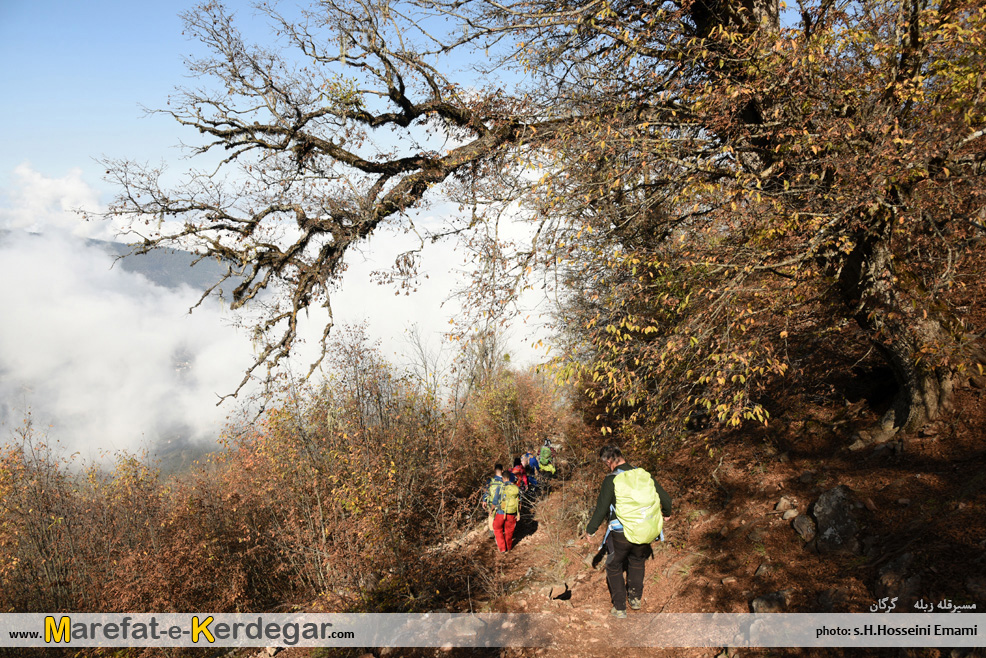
[[503, 528]]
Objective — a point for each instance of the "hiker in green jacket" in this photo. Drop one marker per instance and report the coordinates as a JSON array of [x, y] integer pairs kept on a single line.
[[636, 506]]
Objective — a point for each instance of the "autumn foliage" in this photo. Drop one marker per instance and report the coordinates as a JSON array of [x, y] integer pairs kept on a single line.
[[760, 181], [331, 498]]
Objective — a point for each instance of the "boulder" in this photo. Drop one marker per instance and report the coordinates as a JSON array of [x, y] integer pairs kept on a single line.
[[804, 526], [763, 571], [835, 516], [773, 602], [895, 580], [783, 505]]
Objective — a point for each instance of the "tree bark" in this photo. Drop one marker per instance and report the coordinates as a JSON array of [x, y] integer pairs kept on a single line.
[[911, 341]]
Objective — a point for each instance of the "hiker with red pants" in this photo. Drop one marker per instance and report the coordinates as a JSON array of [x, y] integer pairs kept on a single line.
[[636, 507], [503, 498]]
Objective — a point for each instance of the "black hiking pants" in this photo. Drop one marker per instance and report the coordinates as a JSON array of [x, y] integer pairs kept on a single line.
[[625, 557]]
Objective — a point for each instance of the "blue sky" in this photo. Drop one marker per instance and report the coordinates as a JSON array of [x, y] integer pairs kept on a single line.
[[75, 75]]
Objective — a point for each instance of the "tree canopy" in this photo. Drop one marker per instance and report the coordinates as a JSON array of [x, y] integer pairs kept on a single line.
[[702, 171]]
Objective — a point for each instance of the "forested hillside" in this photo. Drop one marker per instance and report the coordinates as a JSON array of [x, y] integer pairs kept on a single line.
[[761, 230]]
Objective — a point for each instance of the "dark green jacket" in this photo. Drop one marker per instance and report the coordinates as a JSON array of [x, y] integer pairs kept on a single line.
[[607, 498]]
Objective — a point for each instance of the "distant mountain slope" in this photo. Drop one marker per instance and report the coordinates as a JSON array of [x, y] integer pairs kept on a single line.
[[170, 268]]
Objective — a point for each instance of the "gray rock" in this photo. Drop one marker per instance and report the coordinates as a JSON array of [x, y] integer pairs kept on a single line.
[[560, 591], [763, 571], [783, 505], [804, 526], [773, 602], [835, 515], [807, 477], [858, 443], [790, 514], [895, 579]]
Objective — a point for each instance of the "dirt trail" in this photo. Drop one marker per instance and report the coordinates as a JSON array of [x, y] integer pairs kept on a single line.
[[544, 574]]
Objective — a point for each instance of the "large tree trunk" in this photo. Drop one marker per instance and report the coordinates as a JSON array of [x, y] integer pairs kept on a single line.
[[747, 15], [911, 341]]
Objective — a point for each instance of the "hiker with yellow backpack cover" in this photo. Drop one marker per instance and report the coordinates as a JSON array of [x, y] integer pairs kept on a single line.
[[503, 501], [636, 507]]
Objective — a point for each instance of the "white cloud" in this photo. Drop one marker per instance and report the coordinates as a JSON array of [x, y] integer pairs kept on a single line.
[[36, 202], [100, 353]]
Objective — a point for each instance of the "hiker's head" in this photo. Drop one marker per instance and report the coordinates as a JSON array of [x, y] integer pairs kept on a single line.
[[498, 469], [611, 456], [517, 461]]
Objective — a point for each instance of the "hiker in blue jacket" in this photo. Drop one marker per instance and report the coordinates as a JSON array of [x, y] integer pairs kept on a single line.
[[624, 555]]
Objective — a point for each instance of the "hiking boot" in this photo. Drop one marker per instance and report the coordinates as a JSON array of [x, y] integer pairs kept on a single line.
[[619, 614], [635, 604]]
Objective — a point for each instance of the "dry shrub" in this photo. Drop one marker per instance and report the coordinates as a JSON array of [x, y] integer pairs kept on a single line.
[[334, 495], [42, 551], [108, 539], [565, 511]]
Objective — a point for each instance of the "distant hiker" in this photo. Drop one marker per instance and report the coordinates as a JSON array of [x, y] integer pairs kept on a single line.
[[546, 458], [520, 474], [530, 462], [503, 498], [492, 486], [636, 507], [529, 468]]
